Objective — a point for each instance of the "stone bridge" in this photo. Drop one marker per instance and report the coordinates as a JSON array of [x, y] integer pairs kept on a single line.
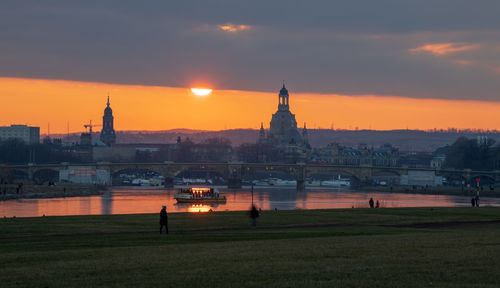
[[234, 172]]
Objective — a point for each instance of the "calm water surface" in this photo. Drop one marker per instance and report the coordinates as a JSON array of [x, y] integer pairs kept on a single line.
[[133, 201]]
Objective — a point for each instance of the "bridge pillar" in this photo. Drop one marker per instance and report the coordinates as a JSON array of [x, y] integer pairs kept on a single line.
[[467, 174], [169, 182], [234, 183], [301, 177], [234, 180], [31, 174], [497, 176], [101, 166], [366, 174], [301, 184]]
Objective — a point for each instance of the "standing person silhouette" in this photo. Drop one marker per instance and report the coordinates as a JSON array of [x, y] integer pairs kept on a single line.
[[254, 214], [371, 203], [163, 219]]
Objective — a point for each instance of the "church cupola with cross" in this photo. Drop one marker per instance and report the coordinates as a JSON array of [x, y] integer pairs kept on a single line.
[[283, 101]]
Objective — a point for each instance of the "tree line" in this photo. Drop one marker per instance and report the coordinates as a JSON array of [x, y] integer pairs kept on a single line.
[[475, 154]]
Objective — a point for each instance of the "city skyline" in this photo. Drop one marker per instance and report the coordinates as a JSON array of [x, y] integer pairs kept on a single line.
[[322, 143], [156, 108]]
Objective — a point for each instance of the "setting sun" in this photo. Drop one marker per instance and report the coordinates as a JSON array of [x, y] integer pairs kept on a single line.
[[201, 91]]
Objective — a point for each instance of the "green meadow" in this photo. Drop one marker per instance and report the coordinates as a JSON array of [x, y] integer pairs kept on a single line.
[[410, 247]]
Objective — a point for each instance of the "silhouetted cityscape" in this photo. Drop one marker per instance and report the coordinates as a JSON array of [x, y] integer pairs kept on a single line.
[[155, 143]]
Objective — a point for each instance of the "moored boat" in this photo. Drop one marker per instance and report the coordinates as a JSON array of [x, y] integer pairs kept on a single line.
[[339, 182], [199, 195]]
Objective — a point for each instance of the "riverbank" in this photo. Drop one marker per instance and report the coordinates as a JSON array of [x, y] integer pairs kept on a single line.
[[15, 191], [412, 247], [442, 190]]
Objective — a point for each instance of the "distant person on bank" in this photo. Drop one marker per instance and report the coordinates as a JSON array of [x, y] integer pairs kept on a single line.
[[163, 219], [254, 214], [377, 205], [371, 202]]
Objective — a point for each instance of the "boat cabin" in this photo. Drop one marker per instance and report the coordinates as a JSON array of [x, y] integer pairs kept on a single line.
[[201, 192]]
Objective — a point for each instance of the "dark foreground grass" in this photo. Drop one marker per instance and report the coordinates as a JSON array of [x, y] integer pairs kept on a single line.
[[445, 247]]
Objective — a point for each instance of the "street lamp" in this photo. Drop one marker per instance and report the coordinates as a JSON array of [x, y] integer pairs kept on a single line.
[[251, 181], [252, 192]]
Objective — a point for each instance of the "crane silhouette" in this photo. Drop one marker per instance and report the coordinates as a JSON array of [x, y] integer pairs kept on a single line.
[[89, 126]]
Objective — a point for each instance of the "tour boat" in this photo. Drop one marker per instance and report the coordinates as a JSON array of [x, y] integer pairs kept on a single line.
[[199, 195]]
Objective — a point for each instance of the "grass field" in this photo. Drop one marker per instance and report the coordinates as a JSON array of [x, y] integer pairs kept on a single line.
[[444, 247]]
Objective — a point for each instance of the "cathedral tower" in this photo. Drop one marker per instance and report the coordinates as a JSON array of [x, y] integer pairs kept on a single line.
[[108, 134], [283, 127]]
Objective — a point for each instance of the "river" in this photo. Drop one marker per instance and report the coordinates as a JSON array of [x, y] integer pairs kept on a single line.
[[134, 201]]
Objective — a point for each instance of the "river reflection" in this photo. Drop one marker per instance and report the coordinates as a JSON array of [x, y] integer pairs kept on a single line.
[[136, 201]]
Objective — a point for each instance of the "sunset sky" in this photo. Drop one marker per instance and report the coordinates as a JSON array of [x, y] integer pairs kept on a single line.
[[366, 64]]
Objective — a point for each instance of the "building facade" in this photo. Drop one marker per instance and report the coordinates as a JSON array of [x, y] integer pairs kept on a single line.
[[334, 153], [85, 175], [108, 134], [30, 135]]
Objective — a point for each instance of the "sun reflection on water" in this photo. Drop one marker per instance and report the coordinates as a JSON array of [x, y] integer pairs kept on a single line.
[[199, 208]]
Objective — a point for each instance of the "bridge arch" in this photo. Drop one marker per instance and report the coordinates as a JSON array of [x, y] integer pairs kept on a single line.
[[386, 177], [455, 179], [44, 175], [200, 176], [116, 169], [16, 175], [257, 172], [134, 176], [334, 172], [484, 179]]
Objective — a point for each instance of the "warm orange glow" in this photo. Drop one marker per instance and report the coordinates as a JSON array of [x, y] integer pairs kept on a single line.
[[39, 102], [199, 208], [442, 49], [201, 91], [232, 28]]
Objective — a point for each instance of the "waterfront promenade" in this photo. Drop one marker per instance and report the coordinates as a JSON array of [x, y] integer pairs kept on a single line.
[[410, 247]]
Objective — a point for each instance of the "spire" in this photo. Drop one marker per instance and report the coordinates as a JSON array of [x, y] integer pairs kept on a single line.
[[262, 133], [108, 134], [304, 135]]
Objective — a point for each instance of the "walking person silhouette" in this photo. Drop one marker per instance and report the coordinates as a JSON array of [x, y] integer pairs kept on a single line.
[[163, 219]]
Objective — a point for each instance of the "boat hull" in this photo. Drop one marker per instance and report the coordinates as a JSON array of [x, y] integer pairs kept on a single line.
[[199, 201]]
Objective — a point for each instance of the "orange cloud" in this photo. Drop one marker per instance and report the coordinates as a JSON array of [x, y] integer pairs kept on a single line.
[[443, 49], [233, 28]]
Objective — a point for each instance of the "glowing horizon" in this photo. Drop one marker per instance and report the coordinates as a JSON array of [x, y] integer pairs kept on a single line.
[[39, 102]]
